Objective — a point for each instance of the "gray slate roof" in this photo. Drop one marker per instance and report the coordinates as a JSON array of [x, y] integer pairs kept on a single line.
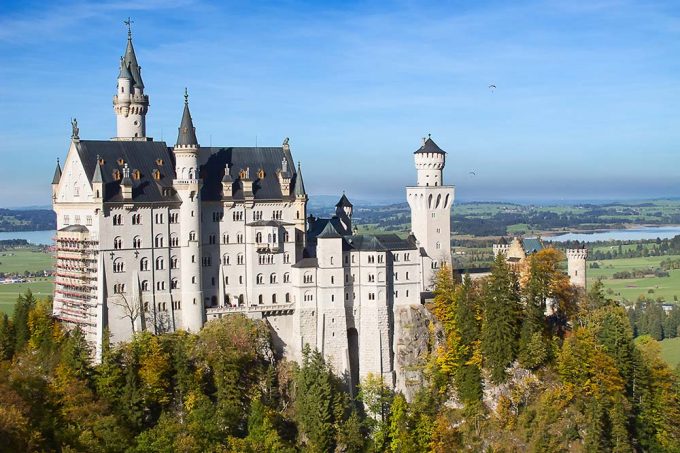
[[57, 174], [329, 232], [130, 60], [532, 245], [344, 201], [75, 229], [306, 262], [238, 158], [299, 184], [139, 155], [429, 146], [187, 131]]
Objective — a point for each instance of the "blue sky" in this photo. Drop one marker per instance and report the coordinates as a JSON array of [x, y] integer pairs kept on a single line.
[[587, 104]]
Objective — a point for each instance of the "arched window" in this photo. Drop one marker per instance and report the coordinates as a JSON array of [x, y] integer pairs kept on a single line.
[[192, 236], [174, 262], [260, 299], [174, 284], [287, 297], [272, 278], [159, 263], [307, 277], [258, 237], [137, 242], [239, 258], [145, 285], [158, 242], [240, 300], [225, 259], [259, 279], [286, 236], [117, 243], [438, 245], [174, 240], [273, 298], [144, 264], [225, 239], [118, 265], [286, 278], [239, 238]]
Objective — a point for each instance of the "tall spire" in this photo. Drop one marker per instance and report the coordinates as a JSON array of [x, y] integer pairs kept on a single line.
[[57, 174], [130, 59], [299, 184], [187, 131]]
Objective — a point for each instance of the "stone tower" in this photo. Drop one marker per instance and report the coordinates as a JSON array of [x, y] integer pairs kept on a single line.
[[130, 103], [188, 186], [430, 201], [576, 266]]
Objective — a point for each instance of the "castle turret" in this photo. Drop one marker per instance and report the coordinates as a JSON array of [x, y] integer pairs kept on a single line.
[[188, 186], [130, 103], [55, 180], [343, 210], [576, 265], [430, 201]]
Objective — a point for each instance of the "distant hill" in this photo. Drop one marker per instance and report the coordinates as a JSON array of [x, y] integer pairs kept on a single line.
[[27, 220]]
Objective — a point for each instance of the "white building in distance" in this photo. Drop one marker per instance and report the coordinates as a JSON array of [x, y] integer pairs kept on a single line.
[[159, 238]]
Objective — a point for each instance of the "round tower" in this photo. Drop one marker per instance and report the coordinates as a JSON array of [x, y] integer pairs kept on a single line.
[[188, 186], [130, 104], [430, 202], [576, 266]]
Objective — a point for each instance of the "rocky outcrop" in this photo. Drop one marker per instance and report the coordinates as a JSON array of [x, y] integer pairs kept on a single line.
[[417, 333]]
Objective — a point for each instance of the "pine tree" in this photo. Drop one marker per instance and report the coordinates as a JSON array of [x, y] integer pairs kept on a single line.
[[500, 323], [468, 375], [7, 340], [24, 304]]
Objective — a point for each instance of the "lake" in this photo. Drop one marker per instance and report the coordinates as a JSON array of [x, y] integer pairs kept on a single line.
[[633, 234], [34, 237]]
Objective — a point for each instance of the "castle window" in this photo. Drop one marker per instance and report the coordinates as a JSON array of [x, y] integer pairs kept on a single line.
[[117, 219], [286, 278], [286, 258], [117, 243], [381, 258], [225, 239], [308, 296], [225, 259], [136, 242], [145, 285], [272, 278], [239, 258], [118, 266], [371, 277], [260, 299], [287, 297], [332, 280], [286, 236], [333, 300], [240, 279], [119, 288], [258, 237], [193, 280], [212, 281], [174, 217], [160, 264], [120, 161], [259, 279], [396, 276], [174, 240], [136, 219], [116, 175], [192, 236], [207, 261], [212, 239], [159, 241], [136, 174], [438, 245], [273, 298], [307, 278], [237, 215], [407, 276], [239, 238], [407, 257], [160, 286], [88, 220], [371, 296], [156, 174], [260, 174], [159, 218], [144, 264], [77, 220], [159, 162], [346, 296], [371, 259], [174, 262]]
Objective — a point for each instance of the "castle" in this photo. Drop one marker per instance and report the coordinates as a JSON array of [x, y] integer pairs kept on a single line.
[[159, 238]]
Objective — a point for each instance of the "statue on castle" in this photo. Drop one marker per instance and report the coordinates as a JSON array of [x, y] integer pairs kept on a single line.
[[74, 129]]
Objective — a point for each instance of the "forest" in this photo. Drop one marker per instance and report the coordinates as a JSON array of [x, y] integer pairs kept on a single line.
[[518, 361]]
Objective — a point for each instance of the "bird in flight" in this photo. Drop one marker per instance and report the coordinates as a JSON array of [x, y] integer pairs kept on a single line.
[[492, 87], [473, 173]]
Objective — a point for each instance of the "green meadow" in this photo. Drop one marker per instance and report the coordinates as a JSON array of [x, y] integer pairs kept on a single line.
[[9, 292], [667, 288], [670, 351], [18, 260]]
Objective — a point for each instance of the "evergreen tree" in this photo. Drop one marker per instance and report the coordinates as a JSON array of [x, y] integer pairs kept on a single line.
[[468, 376], [500, 323], [314, 403], [23, 306], [7, 340]]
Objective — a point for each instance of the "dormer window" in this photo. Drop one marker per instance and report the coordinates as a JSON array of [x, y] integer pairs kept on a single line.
[[260, 174], [121, 161], [156, 174], [116, 175], [136, 175], [159, 162]]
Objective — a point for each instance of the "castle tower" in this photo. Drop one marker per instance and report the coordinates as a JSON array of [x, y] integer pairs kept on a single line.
[[188, 186], [576, 266], [130, 103], [343, 209], [430, 203]]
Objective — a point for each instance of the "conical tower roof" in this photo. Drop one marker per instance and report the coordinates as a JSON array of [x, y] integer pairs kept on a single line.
[[124, 71], [344, 201], [187, 131], [299, 184], [97, 176], [130, 62], [57, 174], [429, 146]]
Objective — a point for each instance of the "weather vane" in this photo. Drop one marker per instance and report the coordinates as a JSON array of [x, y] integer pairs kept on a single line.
[[129, 23]]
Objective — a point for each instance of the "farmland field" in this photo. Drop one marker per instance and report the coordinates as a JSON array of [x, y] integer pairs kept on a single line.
[[9, 293], [670, 351], [18, 260], [667, 288]]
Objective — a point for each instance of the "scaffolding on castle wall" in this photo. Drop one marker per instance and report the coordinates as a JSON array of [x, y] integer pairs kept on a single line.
[[75, 278]]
